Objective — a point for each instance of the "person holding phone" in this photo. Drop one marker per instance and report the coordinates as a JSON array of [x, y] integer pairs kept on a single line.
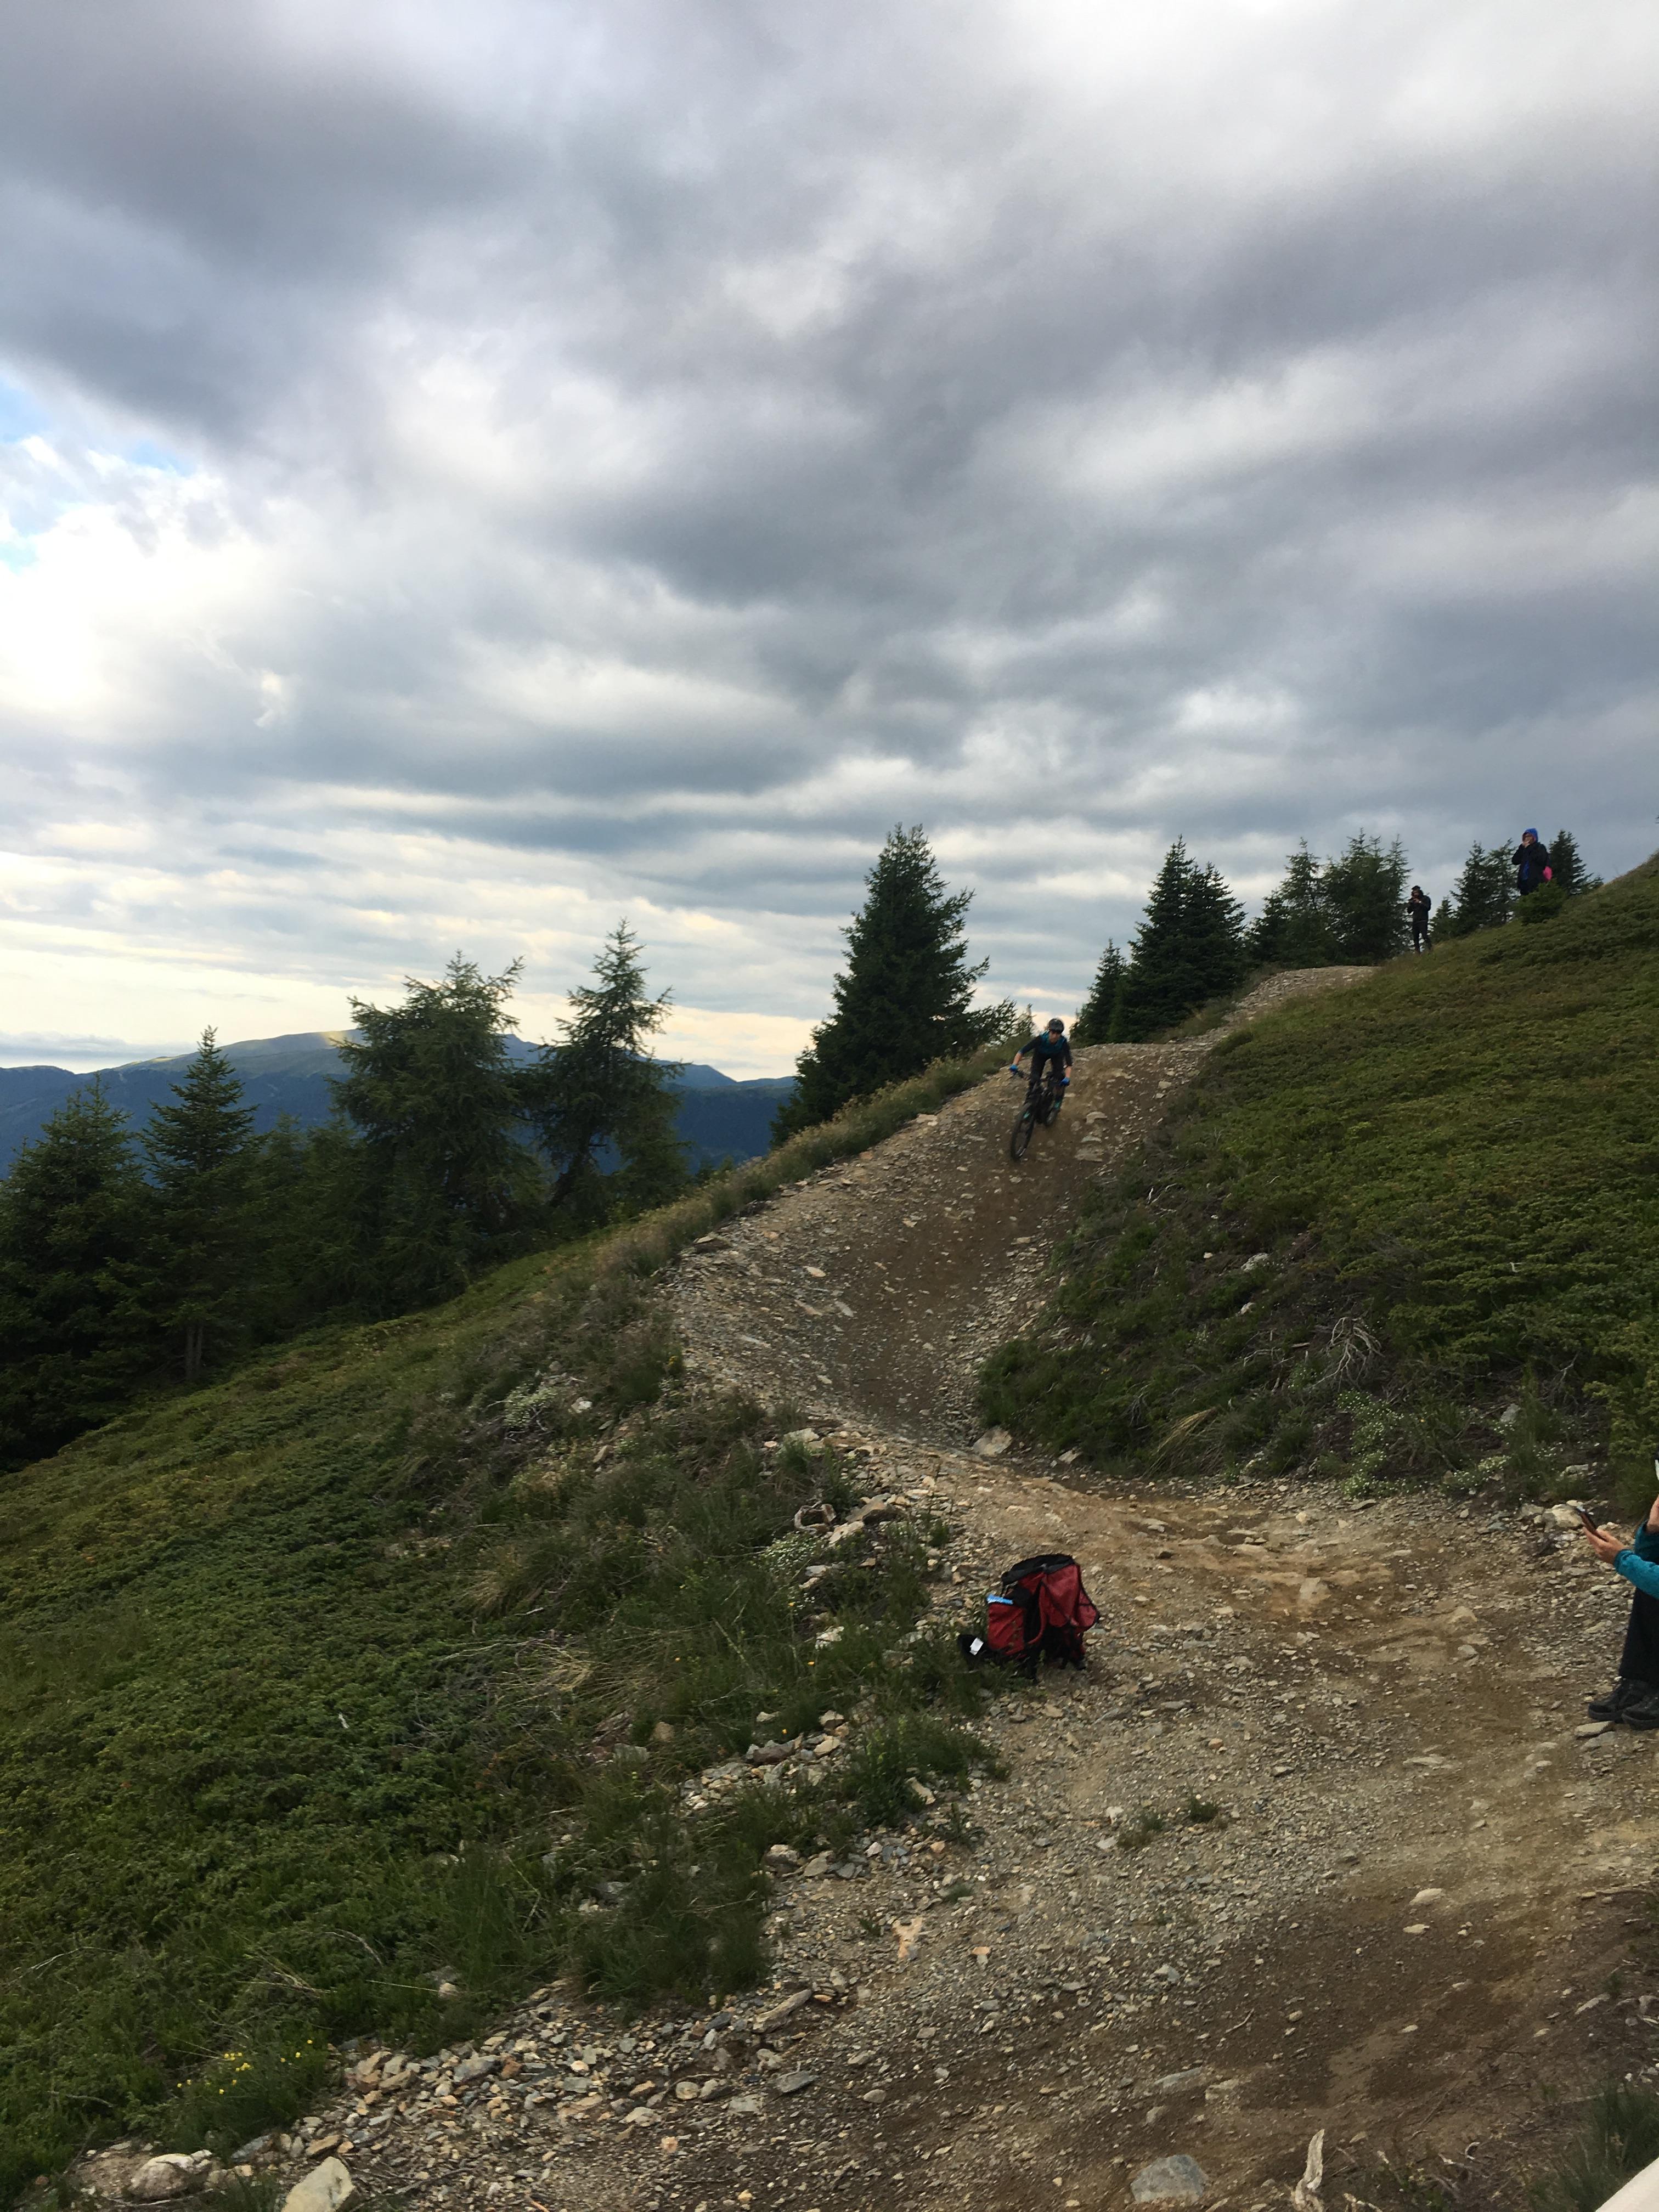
[[1634, 1698]]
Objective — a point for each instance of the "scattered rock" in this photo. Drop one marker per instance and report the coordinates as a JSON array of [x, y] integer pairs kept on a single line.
[[474, 2069], [783, 1858], [766, 2022], [1427, 1897], [791, 2084], [323, 2189], [1593, 1728], [1190, 2077], [992, 1444], [169, 2175], [1176, 2179]]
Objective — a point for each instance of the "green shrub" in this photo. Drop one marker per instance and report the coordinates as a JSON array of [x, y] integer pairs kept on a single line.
[[1620, 2135]]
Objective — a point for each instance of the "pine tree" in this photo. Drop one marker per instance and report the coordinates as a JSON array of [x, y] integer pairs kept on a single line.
[[76, 1332], [1189, 948], [1364, 894], [200, 1156], [1567, 866], [1215, 934], [1293, 929], [1093, 1024], [906, 999], [430, 1086], [598, 1092], [1484, 890]]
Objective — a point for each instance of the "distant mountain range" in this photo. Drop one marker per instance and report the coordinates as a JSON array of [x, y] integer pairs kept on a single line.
[[719, 1117]]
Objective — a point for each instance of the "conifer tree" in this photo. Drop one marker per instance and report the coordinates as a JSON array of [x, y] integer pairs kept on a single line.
[[1484, 890], [1093, 1024], [77, 1331], [1293, 929], [200, 1156], [1567, 865], [598, 1092], [1190, 947], [906, 997], [434, 1095], [1365, 896]]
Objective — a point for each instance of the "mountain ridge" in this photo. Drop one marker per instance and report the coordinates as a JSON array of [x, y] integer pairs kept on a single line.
[[720, 1116]]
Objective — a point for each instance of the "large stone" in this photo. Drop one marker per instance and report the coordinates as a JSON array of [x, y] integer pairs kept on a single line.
[[993, 1444], [171, 2174], [766, 2022], [1174, 2181], [1189, 2077], [474, 2069], [323, 2189]]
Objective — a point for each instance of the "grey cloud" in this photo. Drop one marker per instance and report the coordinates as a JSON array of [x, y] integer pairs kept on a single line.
[[919, 449]]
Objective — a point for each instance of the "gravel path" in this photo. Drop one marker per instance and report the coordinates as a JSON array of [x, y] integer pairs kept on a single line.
[[1317, 1841]]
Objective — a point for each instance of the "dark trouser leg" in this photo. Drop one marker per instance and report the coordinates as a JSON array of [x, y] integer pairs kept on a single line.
[[1640, 1662]]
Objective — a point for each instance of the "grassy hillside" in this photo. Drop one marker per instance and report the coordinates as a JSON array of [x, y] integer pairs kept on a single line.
[[301, 1678], [1381, 1216]]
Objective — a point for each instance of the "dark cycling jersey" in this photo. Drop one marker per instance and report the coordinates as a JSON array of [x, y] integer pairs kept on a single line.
[[1045, 1048]]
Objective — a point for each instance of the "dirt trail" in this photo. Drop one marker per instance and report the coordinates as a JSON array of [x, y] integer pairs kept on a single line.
[[875, 1290], [1401, 1925]]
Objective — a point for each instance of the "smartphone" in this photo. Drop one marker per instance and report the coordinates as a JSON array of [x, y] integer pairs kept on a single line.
[[1587, 1517]]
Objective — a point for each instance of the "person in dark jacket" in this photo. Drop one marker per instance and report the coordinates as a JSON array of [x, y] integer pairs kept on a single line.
[[1633, 1700], [1419, 907], [1532, 863]]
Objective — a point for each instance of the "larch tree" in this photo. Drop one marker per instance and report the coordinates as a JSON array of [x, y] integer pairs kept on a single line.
[[452, 1185], [604, 1108]]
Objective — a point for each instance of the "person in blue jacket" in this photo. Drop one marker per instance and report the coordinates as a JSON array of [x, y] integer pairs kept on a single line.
[[1634, 1698], [1531, 863]]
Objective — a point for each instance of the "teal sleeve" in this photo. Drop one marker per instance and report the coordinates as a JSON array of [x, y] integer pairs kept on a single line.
[[1642, 1574], [1646, 1542]]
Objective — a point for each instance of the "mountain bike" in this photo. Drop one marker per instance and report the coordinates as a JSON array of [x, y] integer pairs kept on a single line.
[[1041, 1107]]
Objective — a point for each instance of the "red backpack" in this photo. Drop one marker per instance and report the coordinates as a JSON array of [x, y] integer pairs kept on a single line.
[[1038, 1611]]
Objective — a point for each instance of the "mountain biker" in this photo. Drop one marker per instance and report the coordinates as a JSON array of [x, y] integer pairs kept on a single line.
[[1050, 1048]]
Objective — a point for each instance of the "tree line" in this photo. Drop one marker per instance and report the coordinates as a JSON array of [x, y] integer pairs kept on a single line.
[[1194, 945], [132, 1258]]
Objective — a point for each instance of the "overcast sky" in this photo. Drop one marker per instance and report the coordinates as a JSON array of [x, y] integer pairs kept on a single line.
[[469, 473]]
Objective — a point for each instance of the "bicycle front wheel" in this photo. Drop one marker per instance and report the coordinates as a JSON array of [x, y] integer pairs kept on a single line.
[[1021, 1135]]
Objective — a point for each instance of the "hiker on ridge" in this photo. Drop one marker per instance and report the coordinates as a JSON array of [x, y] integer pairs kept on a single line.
[[1633, 1700], [1531, 862], [1420, 906]]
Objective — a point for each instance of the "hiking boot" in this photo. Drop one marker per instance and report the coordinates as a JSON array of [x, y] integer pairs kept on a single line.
[[1611, 1704], [1641, 1709]]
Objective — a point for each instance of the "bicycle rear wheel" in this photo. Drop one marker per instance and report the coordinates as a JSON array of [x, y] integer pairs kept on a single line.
[[1021, 1135]]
